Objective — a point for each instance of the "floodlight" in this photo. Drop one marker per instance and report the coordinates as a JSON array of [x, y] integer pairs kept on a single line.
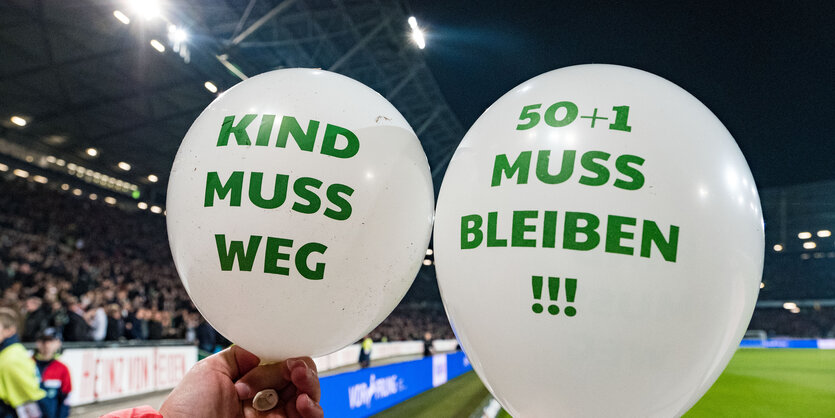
[[19, 121], [417, 36], [121, 17], [158, 45], [176, 34], [148, 9]]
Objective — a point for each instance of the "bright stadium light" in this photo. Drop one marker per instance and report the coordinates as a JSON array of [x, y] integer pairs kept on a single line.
[[762, 285], [124, 166], [121, 17], [794, 310], [40, 179], [93, 196], [65, 187], [4, 167], [76, 192], [804, 235], [778, 247], [417, 33], [429, 251], [427, 262], [18, 120], [176, 34], [92, 152], [148, 9], [210, 86], [158, 45], [417, 36], [809, 245], [153, 178], [110, 200], [824, 233], [789, 305], [142, 205], [156, 209], [21, 173]]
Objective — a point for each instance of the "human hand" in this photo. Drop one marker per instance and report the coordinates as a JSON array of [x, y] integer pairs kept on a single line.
[[224, 384]]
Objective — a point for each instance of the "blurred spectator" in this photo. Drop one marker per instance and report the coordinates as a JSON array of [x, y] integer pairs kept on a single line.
[[97, 318], [427, 344], [115, 323], [206, 337], [365, 351], [19, 389], [37, 318], [137, 325], [76, 327], [155, 325], [54, 375]]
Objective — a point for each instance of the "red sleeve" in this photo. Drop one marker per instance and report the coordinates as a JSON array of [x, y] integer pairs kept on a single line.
[[138, 412], [66, 381]]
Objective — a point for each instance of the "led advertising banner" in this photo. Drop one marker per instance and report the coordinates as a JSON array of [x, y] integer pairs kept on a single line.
[[368, 391]]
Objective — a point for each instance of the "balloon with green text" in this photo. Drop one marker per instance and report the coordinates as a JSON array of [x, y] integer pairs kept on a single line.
[[598, 245]]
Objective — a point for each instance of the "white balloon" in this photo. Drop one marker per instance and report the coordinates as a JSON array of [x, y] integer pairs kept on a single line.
[[359, 218], [658, 305]]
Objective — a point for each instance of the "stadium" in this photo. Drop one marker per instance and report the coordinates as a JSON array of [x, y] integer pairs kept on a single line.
[[98, 96]]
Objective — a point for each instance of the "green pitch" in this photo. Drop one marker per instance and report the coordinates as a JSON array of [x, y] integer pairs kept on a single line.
[[757, 383], [773, 383]]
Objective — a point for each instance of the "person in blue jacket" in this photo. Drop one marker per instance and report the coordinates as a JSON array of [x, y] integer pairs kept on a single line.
[[55, 376]]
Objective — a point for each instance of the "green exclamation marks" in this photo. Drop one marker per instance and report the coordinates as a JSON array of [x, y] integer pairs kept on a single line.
[[536, 284], [553, 293], [554, 290], [570, 292]]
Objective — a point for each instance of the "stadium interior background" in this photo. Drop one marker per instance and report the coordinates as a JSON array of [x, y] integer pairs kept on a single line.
[[95, 104]]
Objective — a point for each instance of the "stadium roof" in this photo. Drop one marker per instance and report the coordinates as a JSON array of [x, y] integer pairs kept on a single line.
[[80, 75]]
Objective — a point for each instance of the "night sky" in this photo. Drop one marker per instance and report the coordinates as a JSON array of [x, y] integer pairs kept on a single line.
[[766, 69]]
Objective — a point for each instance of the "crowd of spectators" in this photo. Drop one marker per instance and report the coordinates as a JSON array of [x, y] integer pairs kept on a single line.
[[411, 321], [808, 322], [92, 270], [101, 273]]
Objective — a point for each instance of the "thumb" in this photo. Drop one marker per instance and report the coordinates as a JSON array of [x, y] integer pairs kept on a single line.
[[233, 362]]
